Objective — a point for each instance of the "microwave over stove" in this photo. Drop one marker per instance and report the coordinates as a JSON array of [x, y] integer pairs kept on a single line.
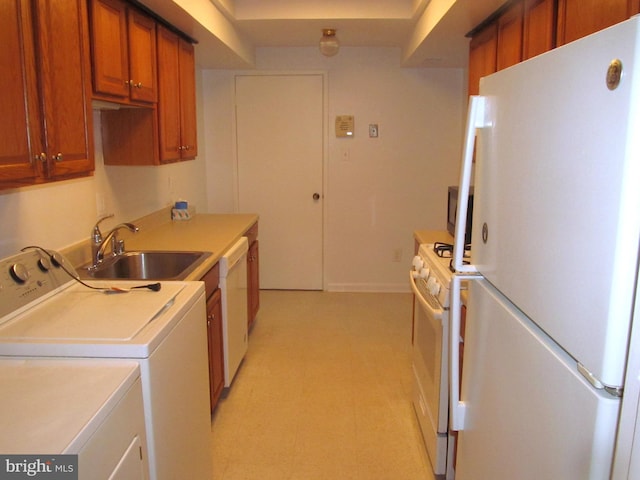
[[452, 208]]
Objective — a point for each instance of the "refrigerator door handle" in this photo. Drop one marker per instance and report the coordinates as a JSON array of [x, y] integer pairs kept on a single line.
[[596, 383], [458, 407], [475, 119]]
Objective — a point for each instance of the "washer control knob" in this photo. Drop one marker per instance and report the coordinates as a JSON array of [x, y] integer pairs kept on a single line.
[[57, 259], [44, 264], [19, 272]]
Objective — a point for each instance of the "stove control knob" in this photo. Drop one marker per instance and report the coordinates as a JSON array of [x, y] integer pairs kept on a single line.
[[433, 286], [19, 272], [417, 263]]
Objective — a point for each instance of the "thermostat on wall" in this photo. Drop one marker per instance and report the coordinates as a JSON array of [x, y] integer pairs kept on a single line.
[[345, 125]]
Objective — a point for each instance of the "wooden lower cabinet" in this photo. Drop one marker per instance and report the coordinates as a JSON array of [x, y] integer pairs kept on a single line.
[[214, 334], [216, 357], [253, 275]]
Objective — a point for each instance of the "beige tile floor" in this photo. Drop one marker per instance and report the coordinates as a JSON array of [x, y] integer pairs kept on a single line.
[[323, 393]]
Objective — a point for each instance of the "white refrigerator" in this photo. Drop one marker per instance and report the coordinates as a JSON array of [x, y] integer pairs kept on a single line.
[[554, 266]]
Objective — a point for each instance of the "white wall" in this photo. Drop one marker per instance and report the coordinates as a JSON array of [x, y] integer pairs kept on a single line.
[[60, 214], [390, 186]]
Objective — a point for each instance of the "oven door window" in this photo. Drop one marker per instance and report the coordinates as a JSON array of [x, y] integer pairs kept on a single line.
[[430, 359]]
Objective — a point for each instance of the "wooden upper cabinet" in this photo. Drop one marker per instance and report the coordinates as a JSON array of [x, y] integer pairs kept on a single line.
[[578, 18], [62, 48], [510, 27], [176, 113], [188, 124], [142, 57], [539, 33], [46, 131], [18, 94], [123, 52], [482, 56]]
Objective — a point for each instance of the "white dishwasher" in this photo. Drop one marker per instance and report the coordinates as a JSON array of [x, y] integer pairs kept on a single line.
[[233, 287]]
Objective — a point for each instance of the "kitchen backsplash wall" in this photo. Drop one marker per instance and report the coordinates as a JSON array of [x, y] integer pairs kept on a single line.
[[391, 185], [61, 214]]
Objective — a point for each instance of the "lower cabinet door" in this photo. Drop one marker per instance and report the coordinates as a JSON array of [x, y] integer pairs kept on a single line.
[[216, 358]]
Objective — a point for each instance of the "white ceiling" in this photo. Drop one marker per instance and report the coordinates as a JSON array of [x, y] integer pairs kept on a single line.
[[428, 32], [298, 23]]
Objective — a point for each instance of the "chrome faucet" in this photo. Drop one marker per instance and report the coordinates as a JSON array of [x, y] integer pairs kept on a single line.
[[99, 243]]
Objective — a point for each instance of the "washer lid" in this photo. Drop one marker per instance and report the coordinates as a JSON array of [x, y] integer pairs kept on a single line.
[[78, 313], [55, 406]]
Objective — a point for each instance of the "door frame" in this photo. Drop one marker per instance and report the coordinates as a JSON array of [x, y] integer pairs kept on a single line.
[[325, 146]]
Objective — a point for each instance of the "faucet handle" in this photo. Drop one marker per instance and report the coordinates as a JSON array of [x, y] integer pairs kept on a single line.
[[96, 234]]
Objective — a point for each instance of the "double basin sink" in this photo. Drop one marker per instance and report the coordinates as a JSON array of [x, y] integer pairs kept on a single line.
[[147, 265]]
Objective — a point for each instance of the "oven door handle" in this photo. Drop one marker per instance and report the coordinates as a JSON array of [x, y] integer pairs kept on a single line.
[[435, 313]]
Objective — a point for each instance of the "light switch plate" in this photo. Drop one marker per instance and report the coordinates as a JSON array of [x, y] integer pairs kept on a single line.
[[373, 130]]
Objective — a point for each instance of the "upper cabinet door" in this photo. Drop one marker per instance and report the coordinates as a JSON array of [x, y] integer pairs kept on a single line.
[[176, 113], [110, 56], [539, 27], [169, 95], [482, 56], [62, 52], [123, 44], [188, 125], [142, 57], [18, 94], [510, 36], [578, 18]]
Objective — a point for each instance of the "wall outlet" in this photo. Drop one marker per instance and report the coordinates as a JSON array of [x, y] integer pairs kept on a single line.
[[373, 130]]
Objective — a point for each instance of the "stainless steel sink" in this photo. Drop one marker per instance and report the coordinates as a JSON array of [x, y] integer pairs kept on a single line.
[[147, 265]]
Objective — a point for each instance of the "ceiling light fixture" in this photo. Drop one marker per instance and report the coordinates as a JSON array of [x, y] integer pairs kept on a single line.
[[329, 43]]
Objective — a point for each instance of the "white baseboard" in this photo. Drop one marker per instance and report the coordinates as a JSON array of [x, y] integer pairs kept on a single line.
[[369, 287]]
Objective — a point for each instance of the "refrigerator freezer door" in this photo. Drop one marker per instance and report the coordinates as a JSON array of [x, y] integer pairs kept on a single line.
[[529, 414], [557, 194]]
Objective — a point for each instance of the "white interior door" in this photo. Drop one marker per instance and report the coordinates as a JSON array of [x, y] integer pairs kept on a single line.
[[279, 128]]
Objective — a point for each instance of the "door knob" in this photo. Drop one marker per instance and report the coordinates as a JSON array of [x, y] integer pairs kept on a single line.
[[316, 196]]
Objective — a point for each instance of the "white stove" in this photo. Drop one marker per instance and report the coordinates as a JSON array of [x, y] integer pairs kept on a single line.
[[44, 313], [430, 278]]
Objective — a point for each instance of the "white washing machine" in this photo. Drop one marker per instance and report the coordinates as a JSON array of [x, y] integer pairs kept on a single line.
[[43, 313], [85, 408]]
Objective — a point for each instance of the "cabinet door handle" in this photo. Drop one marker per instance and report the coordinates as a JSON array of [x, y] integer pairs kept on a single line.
[[128, 82], [138, 85], [58, 157], [40, 157]]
